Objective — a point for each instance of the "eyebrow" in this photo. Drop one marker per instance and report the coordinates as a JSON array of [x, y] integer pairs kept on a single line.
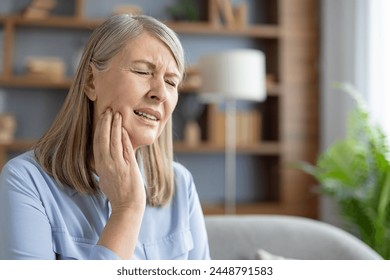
[[153, 67]]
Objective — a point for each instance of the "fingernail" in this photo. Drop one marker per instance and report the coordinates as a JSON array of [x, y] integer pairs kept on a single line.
[[116, 115]]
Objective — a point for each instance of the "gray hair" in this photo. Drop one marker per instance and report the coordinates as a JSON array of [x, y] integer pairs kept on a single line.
[[65, 150], [111, 37]]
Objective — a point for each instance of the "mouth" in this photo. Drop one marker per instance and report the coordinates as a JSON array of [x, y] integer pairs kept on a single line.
[[150, 115]]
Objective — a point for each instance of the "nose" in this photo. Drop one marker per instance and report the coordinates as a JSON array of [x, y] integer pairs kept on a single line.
[[158, 90]]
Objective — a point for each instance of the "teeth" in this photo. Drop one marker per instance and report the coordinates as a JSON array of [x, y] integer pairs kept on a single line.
[[145, 115]]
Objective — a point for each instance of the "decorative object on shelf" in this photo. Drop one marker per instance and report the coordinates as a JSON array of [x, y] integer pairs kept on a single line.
[[7, 128], [128, 9], [185, 10], [227, 77], [190, 111], [270, 80], [355, 172], [49, 68], [223, 12], [191, 79], [39, 8], [192, 133], [241, 15]]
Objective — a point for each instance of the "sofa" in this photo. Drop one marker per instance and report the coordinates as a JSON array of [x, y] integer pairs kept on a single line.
[[240, 237]]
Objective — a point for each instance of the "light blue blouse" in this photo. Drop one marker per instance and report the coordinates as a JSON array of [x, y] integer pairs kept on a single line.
[[41, 220]]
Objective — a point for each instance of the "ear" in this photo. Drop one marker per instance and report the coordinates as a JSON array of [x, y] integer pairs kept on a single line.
[[90, 83]]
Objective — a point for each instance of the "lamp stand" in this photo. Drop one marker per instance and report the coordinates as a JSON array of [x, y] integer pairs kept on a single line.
[[230, 157]]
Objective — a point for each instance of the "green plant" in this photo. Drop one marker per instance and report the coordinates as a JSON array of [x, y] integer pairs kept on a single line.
[[355, 172], [185, 10]]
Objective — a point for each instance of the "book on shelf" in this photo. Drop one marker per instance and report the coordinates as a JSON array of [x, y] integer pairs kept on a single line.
[[248, 126]]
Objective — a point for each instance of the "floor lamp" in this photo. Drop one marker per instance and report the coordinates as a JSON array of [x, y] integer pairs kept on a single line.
[[227, 77]]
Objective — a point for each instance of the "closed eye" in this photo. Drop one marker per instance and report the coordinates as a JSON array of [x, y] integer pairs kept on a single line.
[[141, 72], [171, 83]]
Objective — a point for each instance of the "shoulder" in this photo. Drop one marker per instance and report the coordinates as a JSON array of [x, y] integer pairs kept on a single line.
[[22, 164], [181, 173], [184, 181], [23, 174]]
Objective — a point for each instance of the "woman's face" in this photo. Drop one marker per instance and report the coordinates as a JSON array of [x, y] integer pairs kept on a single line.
[[140, 83]]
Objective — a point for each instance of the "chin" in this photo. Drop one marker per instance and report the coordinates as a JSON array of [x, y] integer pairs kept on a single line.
[[145, 141]]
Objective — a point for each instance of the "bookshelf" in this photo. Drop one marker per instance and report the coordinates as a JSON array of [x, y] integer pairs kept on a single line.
[[289, 37]]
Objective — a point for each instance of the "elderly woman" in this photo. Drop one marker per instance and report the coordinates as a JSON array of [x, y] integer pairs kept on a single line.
[[102, 183]]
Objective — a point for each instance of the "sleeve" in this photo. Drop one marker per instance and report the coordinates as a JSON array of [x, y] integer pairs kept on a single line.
[[102, 253], [197, 224], [25, 229]]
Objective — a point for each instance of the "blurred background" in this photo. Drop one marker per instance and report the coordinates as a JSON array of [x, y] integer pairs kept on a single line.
[[308, 46]]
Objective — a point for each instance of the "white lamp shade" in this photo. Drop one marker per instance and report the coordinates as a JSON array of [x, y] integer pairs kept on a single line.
[[235, 75]]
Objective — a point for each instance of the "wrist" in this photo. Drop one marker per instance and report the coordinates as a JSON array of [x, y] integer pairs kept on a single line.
[[127, 209]]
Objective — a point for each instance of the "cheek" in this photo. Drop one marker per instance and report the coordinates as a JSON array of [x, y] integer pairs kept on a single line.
[[119, 99], [169, 108], [174, 103]]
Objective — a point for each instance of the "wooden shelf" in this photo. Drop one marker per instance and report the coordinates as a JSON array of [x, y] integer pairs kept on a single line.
[[264, 148], [52, 22], [247, 208], [26, 82], [257, 31], [271, 91], [265, 207], [202, 28]]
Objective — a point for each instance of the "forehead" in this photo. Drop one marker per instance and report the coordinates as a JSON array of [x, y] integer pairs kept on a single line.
[[146, 46]]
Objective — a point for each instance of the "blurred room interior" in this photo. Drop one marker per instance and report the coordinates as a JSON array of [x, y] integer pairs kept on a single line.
[[308, 45]]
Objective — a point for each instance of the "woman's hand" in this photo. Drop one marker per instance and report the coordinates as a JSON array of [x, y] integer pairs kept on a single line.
[[116, 165], [121, 181]]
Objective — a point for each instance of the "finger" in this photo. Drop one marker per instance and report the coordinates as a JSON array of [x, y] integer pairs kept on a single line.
[[128, 151], [102, 135], [116, 146]]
